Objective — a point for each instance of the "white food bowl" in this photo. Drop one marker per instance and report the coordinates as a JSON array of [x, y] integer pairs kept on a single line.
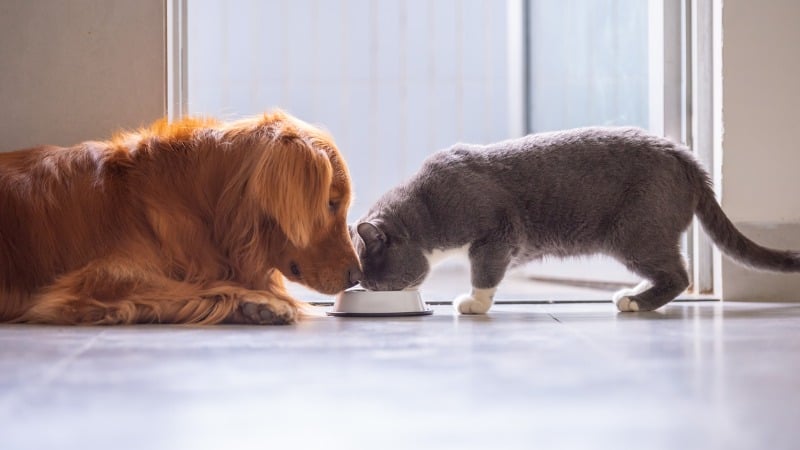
[[358, 302]]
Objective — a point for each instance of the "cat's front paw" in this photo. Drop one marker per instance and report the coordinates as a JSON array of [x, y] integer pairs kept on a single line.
[[472, 304], [467, 304]]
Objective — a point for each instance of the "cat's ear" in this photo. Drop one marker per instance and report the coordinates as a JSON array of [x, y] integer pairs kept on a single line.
[[374, 238]]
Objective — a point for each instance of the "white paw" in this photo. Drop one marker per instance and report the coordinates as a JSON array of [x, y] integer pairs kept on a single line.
[[467, 304], [626, 304], [478, 302], [622, 297]]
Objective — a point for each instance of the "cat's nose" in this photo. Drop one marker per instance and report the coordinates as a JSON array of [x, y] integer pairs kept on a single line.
[[354, 275]]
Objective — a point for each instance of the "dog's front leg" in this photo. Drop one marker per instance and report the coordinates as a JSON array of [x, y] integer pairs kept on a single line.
[[116, 292]]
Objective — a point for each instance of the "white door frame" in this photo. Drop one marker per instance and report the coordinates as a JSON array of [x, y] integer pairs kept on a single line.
[[702, 29], [177, 65]]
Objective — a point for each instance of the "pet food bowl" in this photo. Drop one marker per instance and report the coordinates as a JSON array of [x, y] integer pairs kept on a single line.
[[359, 302]]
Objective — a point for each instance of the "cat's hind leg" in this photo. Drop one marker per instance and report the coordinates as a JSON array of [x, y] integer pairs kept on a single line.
[[666, 278], [622, 297]]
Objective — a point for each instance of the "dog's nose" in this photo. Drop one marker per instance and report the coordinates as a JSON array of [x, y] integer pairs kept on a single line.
[[354, 276]]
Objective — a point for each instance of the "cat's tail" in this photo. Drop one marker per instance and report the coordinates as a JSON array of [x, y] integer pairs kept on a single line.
[[736, 245]]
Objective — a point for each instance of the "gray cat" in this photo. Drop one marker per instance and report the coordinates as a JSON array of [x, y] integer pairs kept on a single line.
[[615, 191]]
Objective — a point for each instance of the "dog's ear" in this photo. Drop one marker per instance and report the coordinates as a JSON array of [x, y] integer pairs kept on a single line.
[[292, 182]]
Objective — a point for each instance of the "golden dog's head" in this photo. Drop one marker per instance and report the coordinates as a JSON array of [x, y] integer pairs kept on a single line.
[[303, 184]]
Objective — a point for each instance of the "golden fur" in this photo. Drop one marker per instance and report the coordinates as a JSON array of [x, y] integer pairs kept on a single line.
[[176, 223]]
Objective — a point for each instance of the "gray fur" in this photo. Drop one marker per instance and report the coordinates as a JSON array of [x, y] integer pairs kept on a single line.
[[615, 191]]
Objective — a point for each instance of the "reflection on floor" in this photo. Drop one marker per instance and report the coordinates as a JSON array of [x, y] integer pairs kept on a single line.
[[702, 375]]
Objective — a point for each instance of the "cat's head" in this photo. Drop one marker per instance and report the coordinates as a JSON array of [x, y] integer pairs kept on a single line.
[[390, 260]]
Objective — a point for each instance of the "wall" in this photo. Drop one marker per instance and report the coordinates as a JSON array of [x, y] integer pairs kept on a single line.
[[760, 150], [79, 69]]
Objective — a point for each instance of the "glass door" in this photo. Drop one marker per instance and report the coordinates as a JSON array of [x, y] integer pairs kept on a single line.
[[395, 81]]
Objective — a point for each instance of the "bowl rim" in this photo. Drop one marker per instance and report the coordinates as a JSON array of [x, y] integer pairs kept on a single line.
[[358, 294], [424, 312]]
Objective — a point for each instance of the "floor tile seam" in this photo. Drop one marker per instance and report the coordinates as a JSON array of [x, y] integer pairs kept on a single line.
[[592, 343], [7, 403], [61, 365]]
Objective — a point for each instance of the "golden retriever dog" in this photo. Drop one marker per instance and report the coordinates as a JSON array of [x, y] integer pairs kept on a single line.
[[190, 222]]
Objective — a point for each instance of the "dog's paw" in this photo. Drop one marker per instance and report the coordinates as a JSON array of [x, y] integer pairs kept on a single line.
[[478, 302], [259, 310]]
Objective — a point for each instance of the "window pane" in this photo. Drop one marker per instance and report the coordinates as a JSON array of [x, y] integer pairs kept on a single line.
[[393, 81], [588, 63], [396, 81]]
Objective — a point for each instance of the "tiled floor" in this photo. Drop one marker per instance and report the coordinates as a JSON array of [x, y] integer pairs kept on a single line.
[[697, 375]]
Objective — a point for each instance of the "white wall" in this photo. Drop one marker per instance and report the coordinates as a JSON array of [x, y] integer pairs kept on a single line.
[[760, 186], [79, 69]]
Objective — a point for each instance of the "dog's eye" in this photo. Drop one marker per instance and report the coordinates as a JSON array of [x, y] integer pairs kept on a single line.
[[294, 269], [333, 205]]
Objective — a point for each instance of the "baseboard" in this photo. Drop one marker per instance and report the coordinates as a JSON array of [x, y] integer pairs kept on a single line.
[[739, 283]]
